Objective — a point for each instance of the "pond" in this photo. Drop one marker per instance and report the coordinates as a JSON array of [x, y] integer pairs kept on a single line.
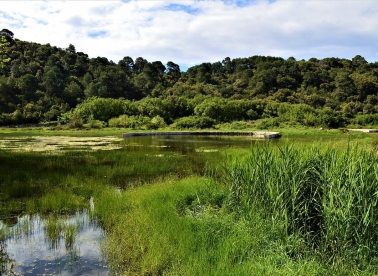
[[71, 244]]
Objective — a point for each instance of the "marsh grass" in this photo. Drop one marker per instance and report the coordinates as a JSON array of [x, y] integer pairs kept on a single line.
[[323, 199], [180, 228], [70, 232], [53, 229], [51, 183]]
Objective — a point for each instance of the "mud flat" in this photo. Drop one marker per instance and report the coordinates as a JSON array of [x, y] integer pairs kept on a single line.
[[256, 134]]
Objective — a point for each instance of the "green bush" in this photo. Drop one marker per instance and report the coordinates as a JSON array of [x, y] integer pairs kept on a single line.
[[234, 125], [157, 122], [366, 120], [104, 109], [75, 121], [92, 123], [194, 122], [267, 123], [133, 122]]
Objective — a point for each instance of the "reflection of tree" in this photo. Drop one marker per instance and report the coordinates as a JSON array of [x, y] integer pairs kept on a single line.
[[6, 263]]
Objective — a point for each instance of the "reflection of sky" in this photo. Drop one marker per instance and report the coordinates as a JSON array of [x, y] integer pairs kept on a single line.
[[33, 255]]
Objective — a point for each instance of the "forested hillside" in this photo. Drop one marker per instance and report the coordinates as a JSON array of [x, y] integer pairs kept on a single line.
[[44, 83]]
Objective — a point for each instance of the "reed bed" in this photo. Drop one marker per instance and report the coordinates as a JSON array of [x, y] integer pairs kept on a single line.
[[323, 199]]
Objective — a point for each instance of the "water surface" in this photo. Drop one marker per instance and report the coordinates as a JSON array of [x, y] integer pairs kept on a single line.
[[32, 247]]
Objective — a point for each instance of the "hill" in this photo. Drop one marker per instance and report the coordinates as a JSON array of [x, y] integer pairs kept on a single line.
[[42, 83]]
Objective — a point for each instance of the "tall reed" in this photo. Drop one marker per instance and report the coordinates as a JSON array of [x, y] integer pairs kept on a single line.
[[326, 197]]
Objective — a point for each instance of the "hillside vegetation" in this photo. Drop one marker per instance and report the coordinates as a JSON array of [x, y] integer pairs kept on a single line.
[[44, 83]]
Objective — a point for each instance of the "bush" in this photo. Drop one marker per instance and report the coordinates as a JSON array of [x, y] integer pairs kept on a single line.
[[104, 109], [157, 122], [268, 123], [133, 122], [234, 125], [75, 121], [366, 120], [92, 123], [194, 122]]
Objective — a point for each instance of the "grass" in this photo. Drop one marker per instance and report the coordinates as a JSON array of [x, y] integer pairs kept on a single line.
[[324, 198], [181, 228], [64, 183], [53, 229]]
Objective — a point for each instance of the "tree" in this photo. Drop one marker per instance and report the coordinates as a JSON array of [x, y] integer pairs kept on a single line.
[[127, 64], [173, 70], [27, 84], [4, 59], [358, 61], [73, 93], [159, 67], [53, 81], [7, 33], [139, 65], [71, 49]]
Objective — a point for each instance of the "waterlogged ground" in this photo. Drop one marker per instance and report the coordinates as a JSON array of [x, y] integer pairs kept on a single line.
[[56, 143], [65, 245]]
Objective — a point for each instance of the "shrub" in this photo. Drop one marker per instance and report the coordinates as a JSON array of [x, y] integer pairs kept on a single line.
[[268, 123], [92, 123], [194, 122], [157, 122], [133, 122], [75, 121]]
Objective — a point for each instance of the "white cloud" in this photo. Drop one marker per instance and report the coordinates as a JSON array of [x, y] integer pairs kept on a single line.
[[192, 32]]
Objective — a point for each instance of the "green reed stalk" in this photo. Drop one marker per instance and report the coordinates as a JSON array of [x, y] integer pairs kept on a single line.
[[326, 196]]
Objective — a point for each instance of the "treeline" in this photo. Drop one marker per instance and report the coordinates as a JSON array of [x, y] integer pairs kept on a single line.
[[44, 83]]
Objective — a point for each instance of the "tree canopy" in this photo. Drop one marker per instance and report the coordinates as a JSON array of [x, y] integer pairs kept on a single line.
[[43, 82]]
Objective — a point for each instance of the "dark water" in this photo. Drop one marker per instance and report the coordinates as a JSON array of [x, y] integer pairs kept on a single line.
[[189, 144]]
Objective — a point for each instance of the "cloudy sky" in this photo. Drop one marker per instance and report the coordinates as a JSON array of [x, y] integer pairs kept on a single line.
[[195, 31]]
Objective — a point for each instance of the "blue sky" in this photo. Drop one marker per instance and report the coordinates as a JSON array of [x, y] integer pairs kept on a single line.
[[190, 32]]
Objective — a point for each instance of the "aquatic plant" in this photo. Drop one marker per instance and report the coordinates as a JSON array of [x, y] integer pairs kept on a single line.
[[325, 197], [53, 229]]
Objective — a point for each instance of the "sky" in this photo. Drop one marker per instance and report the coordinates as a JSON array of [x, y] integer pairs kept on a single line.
[[190, 32]]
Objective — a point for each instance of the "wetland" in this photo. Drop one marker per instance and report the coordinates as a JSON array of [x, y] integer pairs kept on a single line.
[[103, 205]]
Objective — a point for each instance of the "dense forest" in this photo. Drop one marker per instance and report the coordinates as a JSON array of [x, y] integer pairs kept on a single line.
[[44, 83]]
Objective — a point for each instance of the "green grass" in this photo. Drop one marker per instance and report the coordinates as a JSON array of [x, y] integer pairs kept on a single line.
[[46, 183], [53, 229], [325, 198], [181, 228]]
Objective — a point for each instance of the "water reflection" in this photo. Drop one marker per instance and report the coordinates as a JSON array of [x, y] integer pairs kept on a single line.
[[186, 144], [53, 245]]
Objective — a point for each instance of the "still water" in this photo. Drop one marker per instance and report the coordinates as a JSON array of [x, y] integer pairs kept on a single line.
[[67, 245], [189, 144], [71, 244]]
